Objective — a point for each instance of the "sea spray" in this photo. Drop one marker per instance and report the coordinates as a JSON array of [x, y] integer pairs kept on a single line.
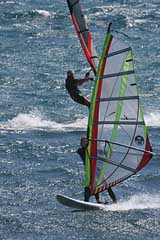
[[152, 119], [36, 120], [143, 201]]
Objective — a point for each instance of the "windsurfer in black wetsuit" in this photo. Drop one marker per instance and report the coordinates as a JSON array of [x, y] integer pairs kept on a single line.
[[81, 152], [72, 87]]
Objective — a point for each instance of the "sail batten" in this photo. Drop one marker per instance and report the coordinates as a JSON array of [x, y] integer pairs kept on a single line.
[[114, 163], [117, 98], [118, 74], [119, 122], [118, 52], [122, 145]]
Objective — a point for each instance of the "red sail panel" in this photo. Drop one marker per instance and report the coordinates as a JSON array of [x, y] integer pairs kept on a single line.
[[147, 156]]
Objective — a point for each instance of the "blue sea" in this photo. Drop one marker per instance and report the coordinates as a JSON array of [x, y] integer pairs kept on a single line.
[[40, 126]]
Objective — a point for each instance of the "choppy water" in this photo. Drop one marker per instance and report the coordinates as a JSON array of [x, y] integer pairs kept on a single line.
[[40, 126]]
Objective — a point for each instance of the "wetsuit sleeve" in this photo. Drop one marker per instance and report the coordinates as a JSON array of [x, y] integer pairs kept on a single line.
[[81, 81]]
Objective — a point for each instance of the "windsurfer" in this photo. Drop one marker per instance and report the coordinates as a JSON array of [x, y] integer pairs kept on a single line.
[[81, 152], [72, 87], [87, 194]]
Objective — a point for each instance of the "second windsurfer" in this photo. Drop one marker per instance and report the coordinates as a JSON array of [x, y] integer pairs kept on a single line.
[[71, 85]]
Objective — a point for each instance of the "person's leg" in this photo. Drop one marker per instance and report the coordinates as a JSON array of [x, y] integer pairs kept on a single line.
[[86, 101], [112, 195], [97, 198], [82, 100], [87, 194]]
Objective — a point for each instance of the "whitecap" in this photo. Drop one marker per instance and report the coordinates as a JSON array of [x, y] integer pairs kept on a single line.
[[42, 12], [152, 119], [143, 201], [35, 120]]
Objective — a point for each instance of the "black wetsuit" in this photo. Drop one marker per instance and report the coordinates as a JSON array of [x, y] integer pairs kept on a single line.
[[71, 86], [87, 192]]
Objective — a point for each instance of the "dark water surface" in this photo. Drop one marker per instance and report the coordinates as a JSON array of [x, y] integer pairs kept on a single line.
[[40, 126]]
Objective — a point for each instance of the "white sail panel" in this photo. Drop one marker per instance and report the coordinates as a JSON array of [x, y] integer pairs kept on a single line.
[[119, 144]]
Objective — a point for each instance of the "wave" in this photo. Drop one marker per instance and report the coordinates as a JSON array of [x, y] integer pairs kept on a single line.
[[34, 120], [43, 13], [143, 201], [29, 14]]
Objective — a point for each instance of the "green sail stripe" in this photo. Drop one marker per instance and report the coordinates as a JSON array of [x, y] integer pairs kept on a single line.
[[122, 91], [92, 110], [141, 112], [144, 127]]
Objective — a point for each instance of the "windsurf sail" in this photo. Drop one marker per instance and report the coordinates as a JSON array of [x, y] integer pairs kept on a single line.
[[119, 145], [83, 33]]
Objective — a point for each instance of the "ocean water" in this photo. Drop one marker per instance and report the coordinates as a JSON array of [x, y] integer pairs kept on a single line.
[[40, 126]]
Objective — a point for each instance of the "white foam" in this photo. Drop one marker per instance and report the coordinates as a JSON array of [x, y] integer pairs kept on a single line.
[[36, 120], [42, 12], [25, 121], [143, 201], [152, 119]]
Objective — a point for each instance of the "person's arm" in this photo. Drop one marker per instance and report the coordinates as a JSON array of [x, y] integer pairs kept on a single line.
[[81, 81], [85, 79]]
